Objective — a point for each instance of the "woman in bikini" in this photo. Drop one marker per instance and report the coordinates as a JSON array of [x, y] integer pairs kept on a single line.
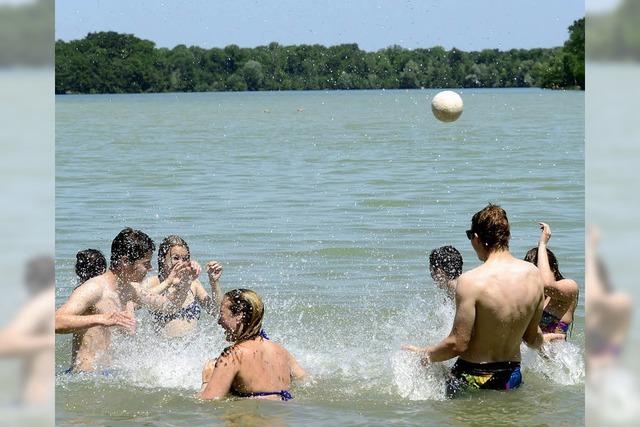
[[561, 294], [253, 366], [175, 267]]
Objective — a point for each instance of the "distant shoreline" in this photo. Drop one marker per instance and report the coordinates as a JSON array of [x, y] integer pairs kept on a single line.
[[110, 62]]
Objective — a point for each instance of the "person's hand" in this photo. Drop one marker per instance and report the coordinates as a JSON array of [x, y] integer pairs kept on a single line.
[[214, 270], [423, 352], [549, 337], [121, 318], [545, 233], [180, 272], [195, 269]]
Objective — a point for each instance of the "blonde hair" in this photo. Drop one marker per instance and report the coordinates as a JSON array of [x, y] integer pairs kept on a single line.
[[249, 304]]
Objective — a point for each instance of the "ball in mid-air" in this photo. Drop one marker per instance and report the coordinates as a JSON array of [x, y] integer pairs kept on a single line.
[[447, 106]]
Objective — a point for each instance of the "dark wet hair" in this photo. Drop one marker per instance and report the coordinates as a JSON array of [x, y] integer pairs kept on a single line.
[[165, 247], [492, 227], [448, 260], [532, 257], [90, 263], [40, 274], [132, 244]]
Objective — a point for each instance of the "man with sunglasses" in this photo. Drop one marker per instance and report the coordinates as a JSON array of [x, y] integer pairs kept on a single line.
[[498, 305]]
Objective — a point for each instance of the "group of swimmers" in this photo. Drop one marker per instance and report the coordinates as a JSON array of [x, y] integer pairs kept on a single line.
[[498, 305]]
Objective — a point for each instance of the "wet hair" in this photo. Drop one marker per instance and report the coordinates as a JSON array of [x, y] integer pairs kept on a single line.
[[40, 274], [492, 227], [165, 247], [90, 263], [448, 260], [132, 244], [247, 303], [532, 257]]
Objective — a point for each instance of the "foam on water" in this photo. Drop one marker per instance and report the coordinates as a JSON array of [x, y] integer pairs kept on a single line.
[[559, 361]]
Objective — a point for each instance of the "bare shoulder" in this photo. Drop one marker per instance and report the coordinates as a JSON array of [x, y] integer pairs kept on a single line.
[[570, 285], [470, 280], [92, 287]]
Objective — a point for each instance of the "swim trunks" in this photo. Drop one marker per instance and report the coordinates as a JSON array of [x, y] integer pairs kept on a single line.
[[485, 376]]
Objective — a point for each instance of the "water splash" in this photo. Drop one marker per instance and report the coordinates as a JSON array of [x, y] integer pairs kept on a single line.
[[559, 361]]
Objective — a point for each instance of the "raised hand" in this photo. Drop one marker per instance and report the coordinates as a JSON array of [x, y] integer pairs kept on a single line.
[[195, 270], [214, 271], [545, 233]]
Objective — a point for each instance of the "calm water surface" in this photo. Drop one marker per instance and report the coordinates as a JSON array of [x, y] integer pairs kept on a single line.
[[327, 204]]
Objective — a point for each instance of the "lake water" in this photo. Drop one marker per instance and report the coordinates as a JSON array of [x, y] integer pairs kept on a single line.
[[327, 204]]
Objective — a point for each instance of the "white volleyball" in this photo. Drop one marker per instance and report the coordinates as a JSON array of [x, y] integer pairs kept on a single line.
[[447, 106]]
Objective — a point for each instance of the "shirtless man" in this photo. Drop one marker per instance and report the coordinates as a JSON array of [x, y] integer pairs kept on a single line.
[[108, 300], [498, 305]]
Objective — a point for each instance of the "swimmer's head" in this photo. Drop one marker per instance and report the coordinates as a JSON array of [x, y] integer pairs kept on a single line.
[[241, 314], [489, 230], [131, 253], [40, 274], [532, 257], [90, 263], [172, 250], [445, 264]]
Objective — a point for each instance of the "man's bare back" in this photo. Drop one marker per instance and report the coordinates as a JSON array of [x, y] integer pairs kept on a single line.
[[498, 305], [508, 296]]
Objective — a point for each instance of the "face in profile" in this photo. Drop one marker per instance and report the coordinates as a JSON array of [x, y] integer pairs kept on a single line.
[[139, 269], [231, 323]]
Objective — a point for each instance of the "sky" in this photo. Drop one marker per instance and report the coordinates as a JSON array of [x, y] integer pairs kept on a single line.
[[373, 24]]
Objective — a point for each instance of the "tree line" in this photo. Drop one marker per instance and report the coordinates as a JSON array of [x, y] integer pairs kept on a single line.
[[110, 62]]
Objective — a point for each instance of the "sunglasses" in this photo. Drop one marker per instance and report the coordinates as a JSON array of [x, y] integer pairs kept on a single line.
[[469, 234]]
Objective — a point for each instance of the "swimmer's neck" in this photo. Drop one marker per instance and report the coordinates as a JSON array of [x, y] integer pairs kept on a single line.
[[118, 281], [498, 255]]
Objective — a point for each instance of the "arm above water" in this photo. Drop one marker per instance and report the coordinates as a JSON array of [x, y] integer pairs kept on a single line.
[[70, 318], [218, 375], [297, 373], [458, 340], [533, 336], [211, 303]]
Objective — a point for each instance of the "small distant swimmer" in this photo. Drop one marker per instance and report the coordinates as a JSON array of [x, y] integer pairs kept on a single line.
[[561, 294], [300, 110], [445, 265], [174, 268], [107, 302], [89, 264], [266, 110], [253, 366], [498, 305]]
